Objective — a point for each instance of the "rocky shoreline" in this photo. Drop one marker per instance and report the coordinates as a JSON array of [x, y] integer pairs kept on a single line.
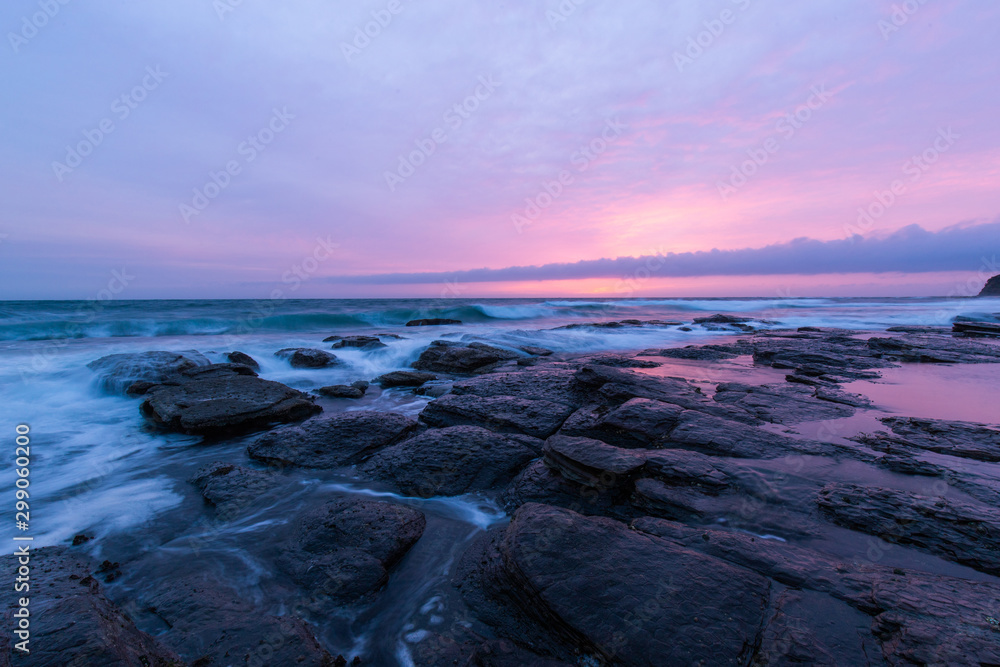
[[653, 519]]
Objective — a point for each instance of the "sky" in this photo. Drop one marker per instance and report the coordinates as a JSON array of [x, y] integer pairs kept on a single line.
[[238, 148]]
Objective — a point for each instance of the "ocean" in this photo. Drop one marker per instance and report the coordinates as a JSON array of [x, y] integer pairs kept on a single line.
[[98, 469]]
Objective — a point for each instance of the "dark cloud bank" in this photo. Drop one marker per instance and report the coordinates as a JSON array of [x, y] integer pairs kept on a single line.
[[908, 250]]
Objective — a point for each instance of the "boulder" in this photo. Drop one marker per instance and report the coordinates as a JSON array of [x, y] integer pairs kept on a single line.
[[953, 529], [359, 342], [592, 463], [116, 372], [984, 329], [451, 357], [345, 548], [431, 322], [991, 288], [718, 318], [340, 391], [536, 351], [449, 461], [231, 488], [559, 580], [303, 357], [72, 622], [243, 359], [504, 414], [221, 399], [404, 379], [331, 442], [639, 422]]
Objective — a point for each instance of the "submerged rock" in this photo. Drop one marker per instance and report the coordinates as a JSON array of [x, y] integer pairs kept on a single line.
[[117, 372], [71, 620], [449, 461], [303, 357], [221, 399], [331, 442]]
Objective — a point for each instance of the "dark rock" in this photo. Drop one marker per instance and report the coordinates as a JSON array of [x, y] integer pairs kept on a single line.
[[231, 488], [694, 352], [969, 440], [221, 399], [592, 463], [935, 349], [361, 384], [540, 482], [449, 357], [360, 342], [722, 319], [619, 385], [543, 384], [345, 548], [639, 422], [782, 403], [433, 321], [81, 539], [619, 361], [565, 582], [919, 618], [71, 621], [837, 395], [116, 372], [984, 329], [919, 329], [504, 414], [303, 357], [716, 436], [404, 379], [244, 359], [340, 391], [536, 351], [959, 531], [992, 287], [211, 624], [331, 442], [449, 461], [434, 388]]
